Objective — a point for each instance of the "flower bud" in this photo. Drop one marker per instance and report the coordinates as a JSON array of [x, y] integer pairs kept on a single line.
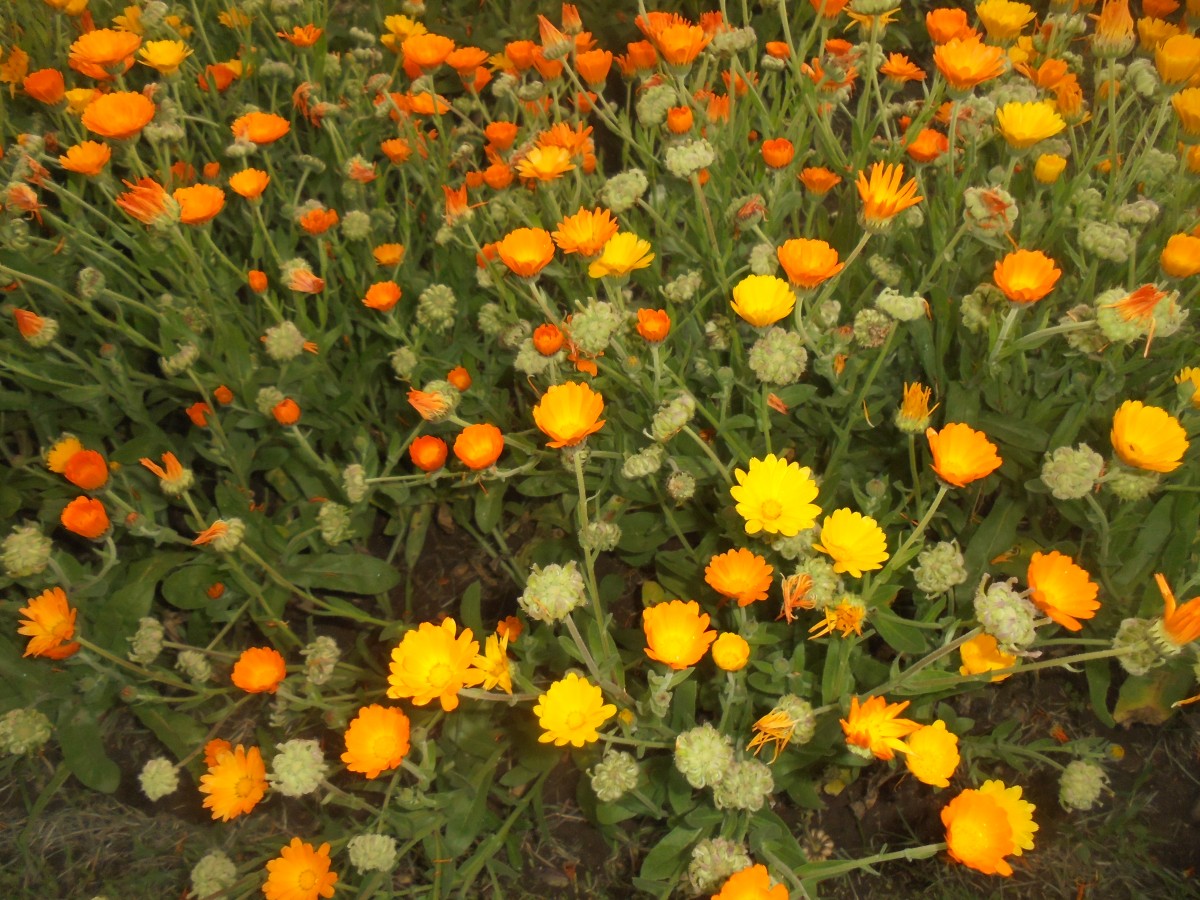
[[1135, 638], [1071, 473], [681, 486], [26, 551], [940, 568], [552, 592], [902, 307], [90, 283], [298, 768], [778, 357], [437, 308], [746, 785], [979, 306], [644, 463], [614, 776], [267, 399], [703, 755], [594, 326], [763, 259], [682, 288], [671, 417], [146, 642], [1005, 615], [621, 192], [653, 103], [356, 225], [283, 342], [213, 875], [1106, 241], [713, 861], [885, 270], [194, 665], [730, 652], [23, 730], [372, 852], [1080, 785], [333, 520], [404, 363], [158, 778], [685, 160], [354, 483], [1131, 484], [231, 539], [600, 536], [180, 362], [872, 327], [320, 658]]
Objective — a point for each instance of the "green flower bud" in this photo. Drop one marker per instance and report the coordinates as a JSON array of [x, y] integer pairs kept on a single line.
[[23, 730], [1071, 473], [1157, 167], [827, 585], [298, 768], [594, 325], [147, 642], [685, 160], [733, 40], [284, 342], [1138, 212], [552, 592], [713, 861], [1131, 484], [978, 308], [653, 103], [26, 551], [45, 336], [940, 568], [614, 776], [900, 306], [623, 190], [333, 520], [1005, 615], [1135, 637], [267, 399], [872, 327], [703, 755], [1083, 340], [681, 487], [372, 852], [682, 288], [158, 778], [799, 546], [437, 308], [671, 417], [746, 785], [354, 482], [404, 363], [531, 362], [778, 357], [885, 270], [600, 536], [1106, 241], [320, 658], [90, 283], [763, 259], [356, 225], [1080, 785], [800, 713], [644, 463], [194, 665], [716, 332], [179, 362], [213, 874]]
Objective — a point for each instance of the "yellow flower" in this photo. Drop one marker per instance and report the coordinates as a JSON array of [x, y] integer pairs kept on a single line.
[[913, 415], [300, 873], [492, 664], [883, 197], [763, 300], [572, 711], [775, 496], [983, 654], [855, 542], [677, 633], [779, 726], [432, 664], [847, 617], [1190, 375], [1178, 58], [1025, 124], [545, 163], [932, 754], [60, 454], [984, 826], [568, 413], [235, 783], [165, 56], [1003, 19], [873, 730], [730, 652], [1049, 167], [622, 253], [233, 18], [1187, 108], [1146, 437], [740, 575]]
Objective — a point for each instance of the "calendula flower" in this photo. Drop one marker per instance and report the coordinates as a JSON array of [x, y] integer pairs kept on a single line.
[[571, 712], [49, 624], [1024, 124], [568, 413], [1113, 36], [946, 24], [428, 452], [545, 163], [763, 300], [913, 415], [526, 251], [983, 654], [1147, 437], [1061, 589], [899, 70], [677, 633], [740, 575], [873, 729], [164, 56], [1180, 257], [235, 782], [883, 196], [778, 152], [175, 479], [118, 115], [983, 826], [426, 51], [85, 517], [86, 158], [259, 670], [846, 617], [376, 740], [286, 411], [199, 203], [775, 496], [300, 873], [1003, 20], [730, 652], [1180, 623], [791, 719], [249, 183], [819, 180], [653, 325], [388, 254], [961, 454], [966, 62], [855, 542], [382, 296], [147, 201], [932, 754], [302, 35], [433, 662], [318, 220], [87, 470], [808, 262], [103, 48], [1049, 167], [260, 127], [1190, 376], [45, 86], [622, 253], [479, 446], [680, 43], [586, 232], [754, 882], [492, 664]]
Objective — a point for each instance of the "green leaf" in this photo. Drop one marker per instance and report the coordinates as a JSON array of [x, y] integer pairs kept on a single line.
[[901, 636], [83, 750], [115, 617], [1147, 699], [351, 573], [1099, 677], [185, 587], [489, 505], [470, 613], [180, 733], [667, 860]]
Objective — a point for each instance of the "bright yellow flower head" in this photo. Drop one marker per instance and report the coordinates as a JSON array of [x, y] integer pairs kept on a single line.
[[300, 873], [492, 664], [165, 56], [572, 711], [58, 455], [1003, 19], [1147, 437], [855, 542], [984, 826], [932, 754], [431, 663], [730, 652], [1049, 167], [1190, 376], [763, 300], [622, 253], [873, 729], [677, 633], [776, 496], [1024, 124], [845, 617], [983, 654], [913, 415]]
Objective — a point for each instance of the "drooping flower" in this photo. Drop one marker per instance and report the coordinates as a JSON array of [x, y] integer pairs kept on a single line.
[[1061, 589], [479, 446], [932, 754], [883, 196], [983, 826], [855, 542], [526, 251], [586, 232], [961, 454], [775, 496], [377, 740], [86, 517], [740, 575], [754, 882], [300, 873], [983, 654], [235, 782], [259, 670], [572, 711], [260, 127], [807, 262], [873, 728], [677, 633], [1147, 437], [568, 413], [118, 115], [49, 624], [763, 300], [432, 662], [622, 253]]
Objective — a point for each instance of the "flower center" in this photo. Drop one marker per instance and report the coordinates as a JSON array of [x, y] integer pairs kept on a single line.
[[439, 675], [771, 509], [307, 880], [243, 787], [574, 719]]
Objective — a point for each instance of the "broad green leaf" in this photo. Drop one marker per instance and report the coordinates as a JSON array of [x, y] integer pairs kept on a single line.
[[900, 635], [83, 750], [350, 573]]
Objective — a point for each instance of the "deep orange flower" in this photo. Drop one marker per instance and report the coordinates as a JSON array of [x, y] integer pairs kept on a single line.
[[318, 221], [1180, 257], [85, 517], [479, 446], [286, 411], [30, 324], [87, 470], [146, 201], [899, 69], [302, 35], [459, 377], [377, 740], [257, 279], [593, 66], [946, 24], [828, 9], [927, 146], [428, 453], [526, 251], [103, 48], [1026, 276], [118, 115], [49, 624], [739, 574], [86, 158], [45, 86], [260, 127], [426, 51], [808, 262], [199, 203], [883, 196], [396, 149], [778, 152], [653, 324], [568, 413], [300, 873], [586, 232], [1180, 623], [259, 670], [961, 454], [964, 63], [548, 339], [1061, 589], [680, 43], [382, 295], [235, 782], [677, 633], [199, 412], [819, 180], [249, 183], [501, 134]]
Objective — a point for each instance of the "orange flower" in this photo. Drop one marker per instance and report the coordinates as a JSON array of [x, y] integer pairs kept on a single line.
[[49, 624], [318, 221], [30, 324], [426, 51], [223, 395], [302, 35], [382, 295], [1026, 276], [1181, 624], [259, 670], [479, 446], [946, 24], [526, 251], [199, 203], [1180, 258], [456, 203], [927, 146], [568, 413], [45, 86], [396, 149], [260, 127], [1114, 29], [235, 782], [249, 183], [175, 478], [304, 281], [828, 9], [586, 232], [257, 280], [388, 254], [86, 158], [118, 115], [103, 49], [465, 60], [459, 377], [85, 517], [873, 730], [677, 633], [653, 325], [680, 119], [984, 826], [376, 741], [146, 201], [819, 180], [808, 262], [966, 62], [87, 470], [428, 453], [899, 69], [778, 152], [501, 134], [548, 339], [1061, 589], [883, 196], [961, 454], [593, 66], [680, 43], [286, 411], [740, 575]]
